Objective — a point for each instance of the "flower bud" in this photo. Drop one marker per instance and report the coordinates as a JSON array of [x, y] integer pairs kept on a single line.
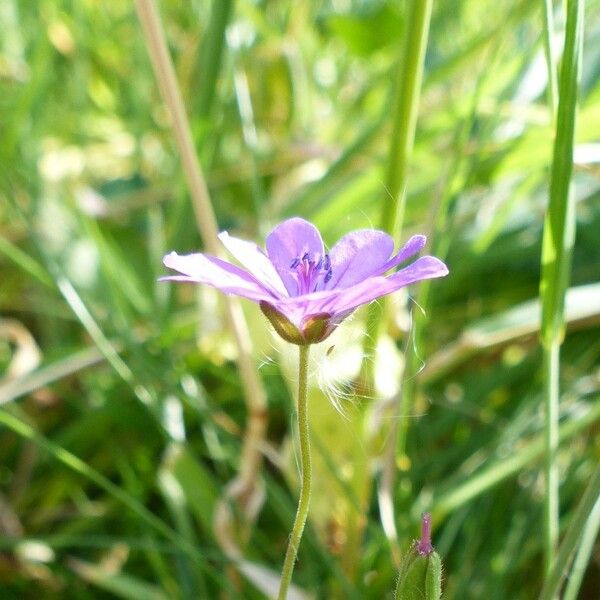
[[421, 570]]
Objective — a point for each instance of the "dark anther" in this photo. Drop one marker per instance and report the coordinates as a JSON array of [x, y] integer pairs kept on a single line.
[[295, 263], [327, 263], [306, 256], [328, 276], [319, 264]]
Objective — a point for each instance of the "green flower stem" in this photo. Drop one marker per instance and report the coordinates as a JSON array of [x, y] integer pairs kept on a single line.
[[305, 465]]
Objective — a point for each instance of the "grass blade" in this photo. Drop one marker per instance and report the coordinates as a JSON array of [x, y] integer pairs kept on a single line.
[[212, 54], [406, 110], [586, 546], [572, 537], [79, 466], [558, 240], [552, 86], [500, 470]]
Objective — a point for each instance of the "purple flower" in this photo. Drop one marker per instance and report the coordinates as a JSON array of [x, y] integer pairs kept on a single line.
[[304, 291]]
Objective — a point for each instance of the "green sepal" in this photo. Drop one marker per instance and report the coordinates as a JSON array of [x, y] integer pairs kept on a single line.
[[282, 325], [314, 329], [420, 576]]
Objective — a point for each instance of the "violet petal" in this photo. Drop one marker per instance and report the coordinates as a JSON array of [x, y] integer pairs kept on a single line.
[[426, 267], [414, 245], [230, 279], [358, 255], [298, 308], [256, 261], [290, 240]]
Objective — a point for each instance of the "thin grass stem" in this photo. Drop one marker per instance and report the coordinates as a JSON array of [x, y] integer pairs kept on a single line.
[[572, 538], [586, 546], [247, 480], [306, 467], [406, 110], [551, 498], [557, 244]]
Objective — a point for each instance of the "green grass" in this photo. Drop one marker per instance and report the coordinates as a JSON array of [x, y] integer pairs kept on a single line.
[[557, 247], [124, 412]]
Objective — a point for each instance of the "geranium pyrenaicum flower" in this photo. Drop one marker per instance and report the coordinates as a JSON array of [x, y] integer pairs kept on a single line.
[[304, 291]]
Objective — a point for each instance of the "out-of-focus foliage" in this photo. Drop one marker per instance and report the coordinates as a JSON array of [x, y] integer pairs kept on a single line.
[[291, 117]]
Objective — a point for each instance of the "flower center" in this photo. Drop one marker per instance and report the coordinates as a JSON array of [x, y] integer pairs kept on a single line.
[[310, 270]]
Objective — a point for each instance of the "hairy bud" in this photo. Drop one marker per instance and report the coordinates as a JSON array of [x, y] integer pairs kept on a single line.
[[420, 575]]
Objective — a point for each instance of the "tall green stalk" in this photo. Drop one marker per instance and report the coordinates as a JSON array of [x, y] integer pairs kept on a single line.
[[406, 110], [558, 240], [306, 467]]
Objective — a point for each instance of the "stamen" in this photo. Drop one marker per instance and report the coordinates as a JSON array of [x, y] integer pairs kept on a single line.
[[311, 271]]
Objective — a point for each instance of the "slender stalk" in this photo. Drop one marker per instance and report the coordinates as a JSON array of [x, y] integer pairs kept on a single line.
[[245, 484], [305, 465], [557, 244], [408, 94], [551, 499], [165, 76], [406, 110]]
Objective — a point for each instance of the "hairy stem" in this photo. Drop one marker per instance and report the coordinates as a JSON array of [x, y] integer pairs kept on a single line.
[[305, 465]]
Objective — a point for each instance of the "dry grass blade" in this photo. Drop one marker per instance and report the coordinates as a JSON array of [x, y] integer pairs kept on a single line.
[[246, 486]]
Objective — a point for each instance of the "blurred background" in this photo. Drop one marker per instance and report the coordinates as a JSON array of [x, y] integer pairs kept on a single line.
[[123, 466]]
